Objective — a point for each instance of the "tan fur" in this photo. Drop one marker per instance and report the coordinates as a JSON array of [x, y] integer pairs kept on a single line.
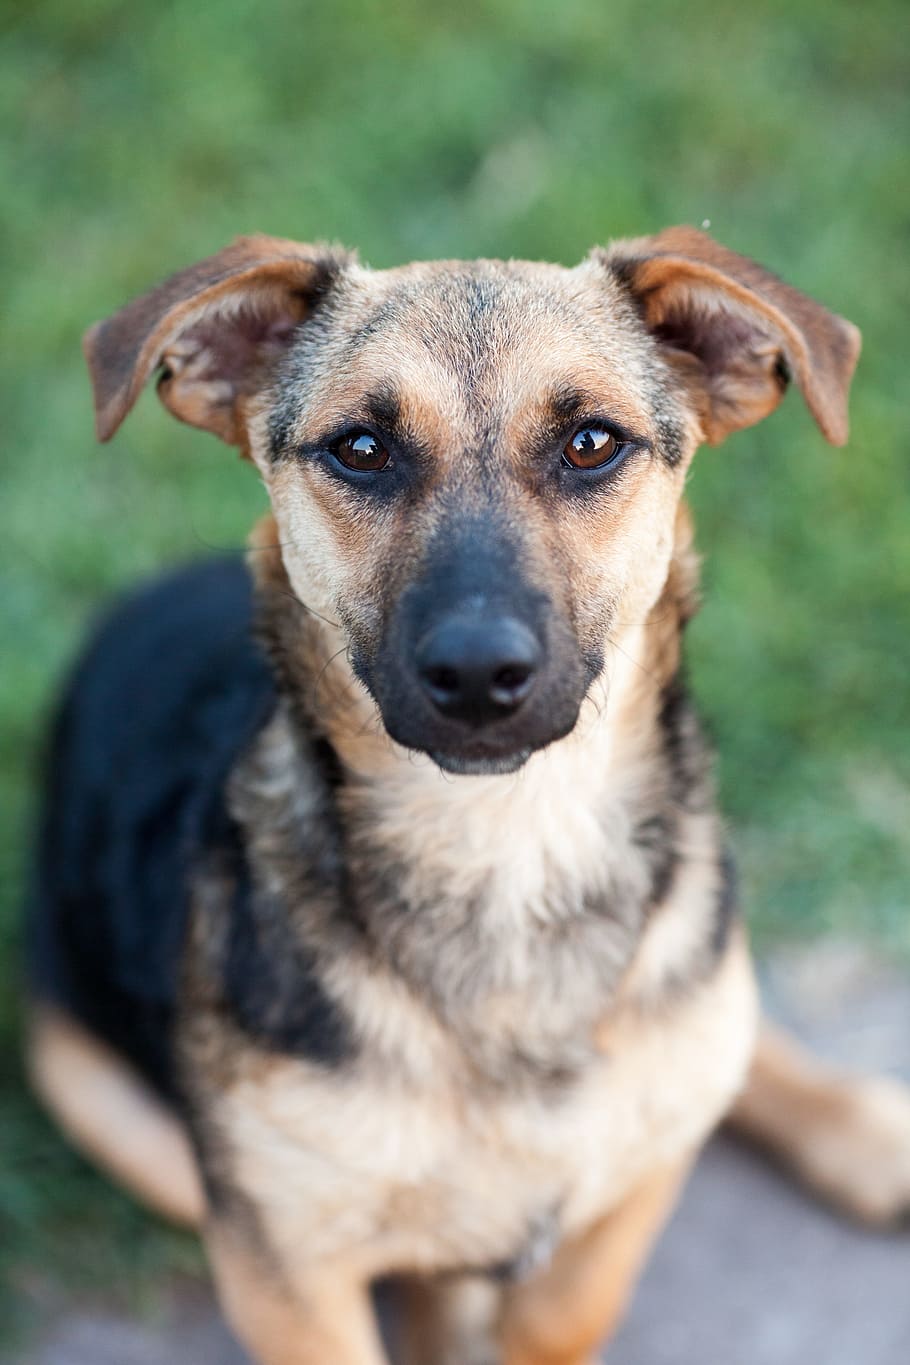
[[405, 1174], [111, 1115], [557, 1316], [562, 1315], [320, 1317], [847, 1137]]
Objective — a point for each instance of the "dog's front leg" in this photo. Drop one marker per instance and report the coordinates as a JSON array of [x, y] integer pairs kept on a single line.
[[562, 1315], [318, 1316]]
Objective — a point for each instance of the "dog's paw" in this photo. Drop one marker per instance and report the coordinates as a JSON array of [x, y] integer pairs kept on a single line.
[[856, 1150]]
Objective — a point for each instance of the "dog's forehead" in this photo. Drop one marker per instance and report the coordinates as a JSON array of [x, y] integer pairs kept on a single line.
[[457, 339], [449, 300], [473, 315]]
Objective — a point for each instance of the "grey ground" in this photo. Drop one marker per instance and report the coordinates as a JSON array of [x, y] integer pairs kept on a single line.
[[750, 1272]]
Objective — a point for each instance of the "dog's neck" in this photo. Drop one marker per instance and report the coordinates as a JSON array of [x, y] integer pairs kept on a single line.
[[540, 885]]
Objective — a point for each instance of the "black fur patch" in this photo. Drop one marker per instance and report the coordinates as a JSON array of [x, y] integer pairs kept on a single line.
[[684, 747], [655, 837], [270, 983], [170, 691], [536, 1252], [725, 906], [672, 439]]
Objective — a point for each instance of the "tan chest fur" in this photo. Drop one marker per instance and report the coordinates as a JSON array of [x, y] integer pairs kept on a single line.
[[395, 1176]]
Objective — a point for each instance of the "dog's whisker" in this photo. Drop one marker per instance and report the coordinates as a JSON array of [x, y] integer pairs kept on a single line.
[[649, 673], [317, 682]]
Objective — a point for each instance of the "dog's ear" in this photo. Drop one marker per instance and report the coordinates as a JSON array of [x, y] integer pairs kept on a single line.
[[215, 330], [737, 331]]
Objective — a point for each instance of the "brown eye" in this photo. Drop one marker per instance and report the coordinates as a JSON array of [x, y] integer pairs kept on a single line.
[[590, 448], [362, 452]]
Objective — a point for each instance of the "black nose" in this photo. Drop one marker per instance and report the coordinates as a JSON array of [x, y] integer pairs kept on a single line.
[[478, 670]]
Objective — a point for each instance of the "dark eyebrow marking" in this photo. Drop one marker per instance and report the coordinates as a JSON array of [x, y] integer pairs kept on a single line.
[[385, 410], [566, 405], [382, 408]]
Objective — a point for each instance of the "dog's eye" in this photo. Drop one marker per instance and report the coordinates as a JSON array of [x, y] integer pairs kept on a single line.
[[591, 447], [361, 451]]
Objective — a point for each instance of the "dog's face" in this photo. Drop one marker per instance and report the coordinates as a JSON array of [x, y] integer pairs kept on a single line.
[[475, 468]]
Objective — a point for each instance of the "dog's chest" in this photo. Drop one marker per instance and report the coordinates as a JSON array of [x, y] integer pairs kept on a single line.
[[434, 1177], [511, 930]]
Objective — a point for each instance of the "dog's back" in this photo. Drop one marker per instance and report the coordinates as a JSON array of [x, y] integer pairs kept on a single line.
[[170, 689]]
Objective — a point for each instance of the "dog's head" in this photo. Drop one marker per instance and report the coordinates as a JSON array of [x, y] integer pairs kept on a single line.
[[475, 467]]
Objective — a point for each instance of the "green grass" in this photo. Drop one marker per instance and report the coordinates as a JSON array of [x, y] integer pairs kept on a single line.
[[139, 137]]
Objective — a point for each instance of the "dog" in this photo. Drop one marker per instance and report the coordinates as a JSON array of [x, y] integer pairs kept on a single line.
[[383, 923]]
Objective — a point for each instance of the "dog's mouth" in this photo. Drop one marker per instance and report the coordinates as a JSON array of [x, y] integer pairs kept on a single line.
[[490, 754], [481, 765], [479, 751]]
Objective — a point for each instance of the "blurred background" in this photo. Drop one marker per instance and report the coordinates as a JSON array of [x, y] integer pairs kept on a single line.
[[137, 137]]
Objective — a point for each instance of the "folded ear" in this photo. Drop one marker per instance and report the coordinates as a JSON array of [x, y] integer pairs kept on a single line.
[[739, 331], [215, 330]]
